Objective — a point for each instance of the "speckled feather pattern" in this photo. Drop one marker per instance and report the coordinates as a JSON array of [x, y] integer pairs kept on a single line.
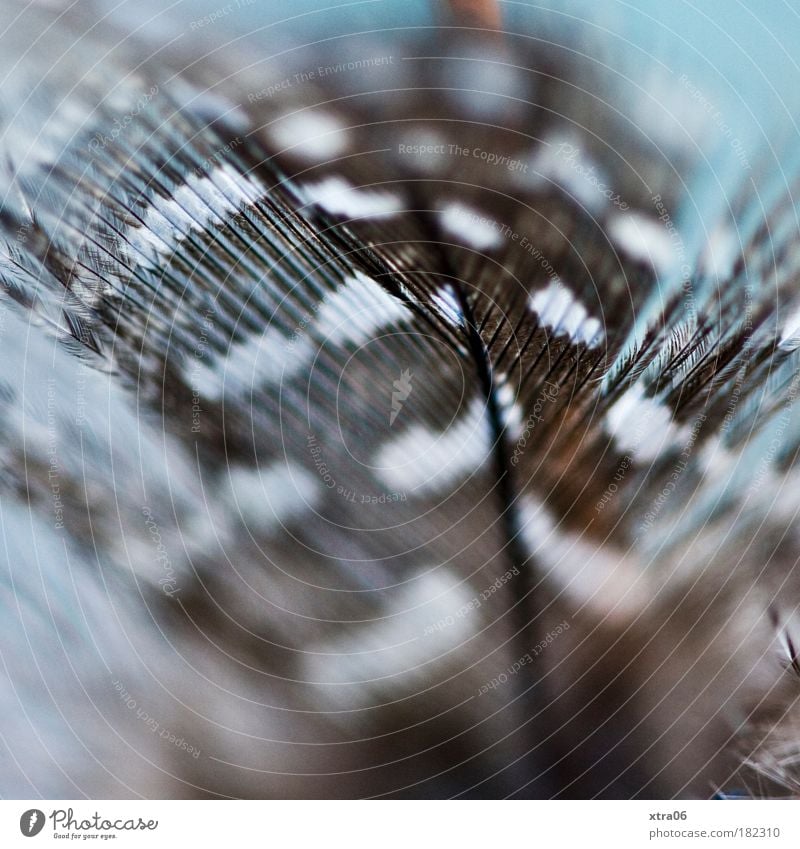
[[314, 424]]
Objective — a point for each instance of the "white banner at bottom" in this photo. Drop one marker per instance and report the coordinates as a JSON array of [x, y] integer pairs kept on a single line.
[[401, 824]]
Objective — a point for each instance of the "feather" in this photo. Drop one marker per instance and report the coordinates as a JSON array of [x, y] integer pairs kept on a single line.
[[380, 420]]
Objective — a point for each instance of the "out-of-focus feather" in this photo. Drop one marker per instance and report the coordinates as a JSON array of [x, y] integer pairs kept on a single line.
[[377, 390]]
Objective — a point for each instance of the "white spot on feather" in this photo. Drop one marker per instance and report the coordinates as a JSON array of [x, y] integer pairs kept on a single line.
[[790, 334], [337, 196], [427, 461], [643, 427], [259, 358], [559, 310], [359, 310], [194, 206], [585, 572], [447, 305], [428, 149], [400, 648], [355, 313], [243, 187], [475, 229], [561, 162], [266, 498], [510, 409], [310, 133], [667, 111], [643, 239], [203, 201]]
